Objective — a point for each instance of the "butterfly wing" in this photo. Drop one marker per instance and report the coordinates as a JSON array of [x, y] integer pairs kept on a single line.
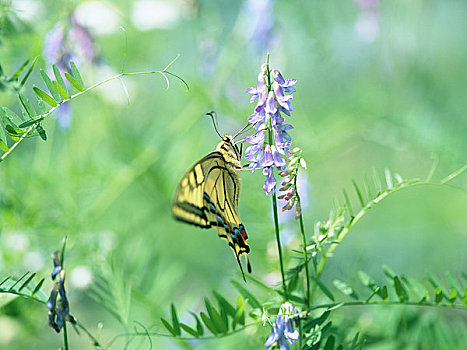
[[207, 196]]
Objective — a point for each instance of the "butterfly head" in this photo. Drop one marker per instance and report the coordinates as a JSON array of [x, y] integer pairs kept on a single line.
[[229, 150]]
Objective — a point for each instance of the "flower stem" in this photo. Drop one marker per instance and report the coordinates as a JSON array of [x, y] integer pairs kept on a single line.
[[305, 257], [305, 254], [278, 240], [65, 337]]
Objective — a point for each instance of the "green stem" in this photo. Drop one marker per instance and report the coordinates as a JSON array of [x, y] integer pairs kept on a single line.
[[278, 240], [65, 337], [29, 129], [305, 256]]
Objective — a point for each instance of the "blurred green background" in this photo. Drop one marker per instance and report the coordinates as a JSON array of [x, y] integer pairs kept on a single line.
[[380, 84]]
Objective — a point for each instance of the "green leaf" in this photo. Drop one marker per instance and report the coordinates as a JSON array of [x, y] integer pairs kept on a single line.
[[464, 301], [359, 194], [384, 293], [50, 86], [452, 296], [58, 77], [76, 73], [3, 142], [60, 90], [355, 342], [376, 291], [30, 122], [438, 295], [214, 316], [366, 182], [74, 82], [240, 314], [12, 133], [224, 304], [330, 343], [423, 299], [5, 280], [347, 202], [175, 323], [453, 283], [38, 287], [169, 327], [25, 283], [377, 182], [43, 95], [199, 325], [323, 288], [209, 324], [189, 330], [42, 107], [218, 321], [400, 291], [40, 130], [388, 272], [28, 73], [345, 288], [20, 70], [388, 175], [27, 105], [12, 116], [17, 281], [246, 294]]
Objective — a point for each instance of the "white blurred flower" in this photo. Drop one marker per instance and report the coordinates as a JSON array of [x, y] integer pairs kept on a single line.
[[98, 16], [81, 277], [17, 241], [28, 10], [107, 241], [273, 279], [367, 25], [33, 261], [152, 14], [113, 91], [9, 329]]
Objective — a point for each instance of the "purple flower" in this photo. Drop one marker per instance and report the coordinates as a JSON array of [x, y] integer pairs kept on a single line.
[[59, 310], [65, 43], [282, 330], [273, 98], [270, 182], [288, 188]]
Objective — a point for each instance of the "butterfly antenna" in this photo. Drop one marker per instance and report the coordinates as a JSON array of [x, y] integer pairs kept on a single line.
[[241, 131], [213, 116]]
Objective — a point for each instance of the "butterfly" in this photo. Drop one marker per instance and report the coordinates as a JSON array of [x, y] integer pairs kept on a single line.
[[207, 196]]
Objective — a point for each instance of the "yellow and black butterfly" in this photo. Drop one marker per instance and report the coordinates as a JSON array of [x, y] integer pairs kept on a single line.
[[207, 196]]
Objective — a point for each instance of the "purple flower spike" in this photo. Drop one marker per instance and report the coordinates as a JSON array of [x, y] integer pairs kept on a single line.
[[282, 330], [274, 97], [270, 183]]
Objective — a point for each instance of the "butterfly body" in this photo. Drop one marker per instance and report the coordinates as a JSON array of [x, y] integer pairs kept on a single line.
[[208, 194]]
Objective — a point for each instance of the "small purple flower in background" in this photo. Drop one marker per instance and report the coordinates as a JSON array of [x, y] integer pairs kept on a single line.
[[59, 311], [367, 25], [273, 97], [282, 330], [289, 185], [258, 22], [65, 43]]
